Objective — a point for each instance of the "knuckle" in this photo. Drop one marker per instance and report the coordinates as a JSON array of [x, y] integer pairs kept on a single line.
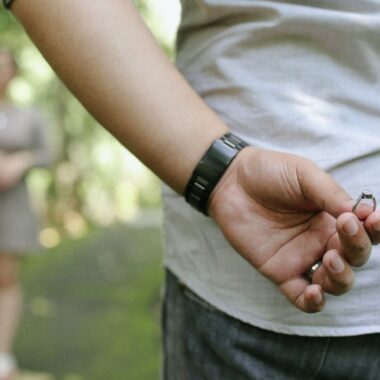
[[308, 306], [375, 238], [342, 285], [358, 262], [341, 288], [359, 255]]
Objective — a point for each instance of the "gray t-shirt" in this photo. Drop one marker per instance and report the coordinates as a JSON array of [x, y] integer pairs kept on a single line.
[[294, 76]]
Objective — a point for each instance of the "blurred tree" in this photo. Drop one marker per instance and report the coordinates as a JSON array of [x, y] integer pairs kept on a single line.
[[84, 187]]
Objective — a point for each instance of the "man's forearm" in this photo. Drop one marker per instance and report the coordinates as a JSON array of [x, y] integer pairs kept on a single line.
[[107, 57]]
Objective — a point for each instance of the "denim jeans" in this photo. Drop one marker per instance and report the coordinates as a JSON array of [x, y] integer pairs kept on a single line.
[[201, 342]]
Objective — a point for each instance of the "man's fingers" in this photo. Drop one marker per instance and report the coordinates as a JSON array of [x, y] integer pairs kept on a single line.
[[306, 297], [335, 275], [363, 210], [312, 299], [355, 242]]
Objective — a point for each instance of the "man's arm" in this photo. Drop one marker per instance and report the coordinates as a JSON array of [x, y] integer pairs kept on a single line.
[[110, 61], [280, 212]]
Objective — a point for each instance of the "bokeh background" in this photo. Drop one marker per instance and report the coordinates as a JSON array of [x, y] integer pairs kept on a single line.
[[92, 295]]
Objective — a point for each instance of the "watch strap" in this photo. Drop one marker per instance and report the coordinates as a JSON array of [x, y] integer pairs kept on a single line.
[[210, 169]]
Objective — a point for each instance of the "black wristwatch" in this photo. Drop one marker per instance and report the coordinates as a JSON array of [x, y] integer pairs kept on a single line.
[[8, 3], [210, 169]]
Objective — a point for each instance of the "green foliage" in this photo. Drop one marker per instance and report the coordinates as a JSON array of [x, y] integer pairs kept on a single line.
[[11, 32], [92, 307]]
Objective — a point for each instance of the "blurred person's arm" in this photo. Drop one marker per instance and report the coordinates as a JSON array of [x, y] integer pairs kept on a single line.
[[15, 165], [296, 212]]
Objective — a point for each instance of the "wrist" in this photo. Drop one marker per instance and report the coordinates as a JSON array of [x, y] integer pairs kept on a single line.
[[210, 170], [231, 182]]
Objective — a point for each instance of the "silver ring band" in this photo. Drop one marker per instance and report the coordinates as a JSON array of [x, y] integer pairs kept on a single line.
[[313, 269]]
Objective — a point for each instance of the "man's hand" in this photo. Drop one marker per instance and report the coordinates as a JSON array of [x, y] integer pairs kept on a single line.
[[282, 214]]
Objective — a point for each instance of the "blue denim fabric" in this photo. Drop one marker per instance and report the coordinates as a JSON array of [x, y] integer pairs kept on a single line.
[[201, 342]]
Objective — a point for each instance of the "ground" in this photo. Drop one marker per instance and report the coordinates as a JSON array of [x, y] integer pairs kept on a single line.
[[93, 307]]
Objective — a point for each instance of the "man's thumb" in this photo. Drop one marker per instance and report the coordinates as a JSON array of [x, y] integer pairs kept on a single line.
[[321, 189]]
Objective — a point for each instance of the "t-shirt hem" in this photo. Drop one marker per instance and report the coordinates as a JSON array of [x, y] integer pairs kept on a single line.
[[304, 330]]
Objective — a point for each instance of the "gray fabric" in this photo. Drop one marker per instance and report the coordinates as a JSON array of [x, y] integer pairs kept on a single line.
[[22, 130], [295, 76]]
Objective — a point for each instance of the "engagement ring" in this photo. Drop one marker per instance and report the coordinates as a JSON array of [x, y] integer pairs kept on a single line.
[[366, 194]]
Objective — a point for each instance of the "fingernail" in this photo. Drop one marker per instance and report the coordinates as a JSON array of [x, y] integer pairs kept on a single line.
[[337, 264], [350, 227], [317, 298]]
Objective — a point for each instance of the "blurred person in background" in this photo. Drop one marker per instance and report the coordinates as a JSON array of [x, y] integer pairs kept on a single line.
[[249, 291], [23, 145]]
